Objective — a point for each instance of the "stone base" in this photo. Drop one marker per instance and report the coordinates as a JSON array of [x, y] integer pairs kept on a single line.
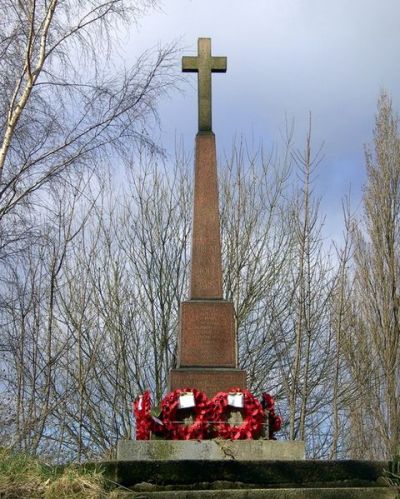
[[210, 450], [210, 381]]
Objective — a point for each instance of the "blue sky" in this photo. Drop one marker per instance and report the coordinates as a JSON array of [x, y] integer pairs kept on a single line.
[[286, 57]]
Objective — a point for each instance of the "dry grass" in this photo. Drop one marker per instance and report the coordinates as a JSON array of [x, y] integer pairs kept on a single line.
[[75, 483], [22, 476], [392, 475]]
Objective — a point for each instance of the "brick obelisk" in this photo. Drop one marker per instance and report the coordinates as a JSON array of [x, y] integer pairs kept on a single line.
[[207, 343]]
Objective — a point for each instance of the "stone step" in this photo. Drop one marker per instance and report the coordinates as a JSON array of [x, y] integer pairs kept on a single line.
[[309, 493], [252, 474]]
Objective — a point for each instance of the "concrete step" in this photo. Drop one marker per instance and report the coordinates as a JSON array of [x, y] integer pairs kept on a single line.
[[309, 493]]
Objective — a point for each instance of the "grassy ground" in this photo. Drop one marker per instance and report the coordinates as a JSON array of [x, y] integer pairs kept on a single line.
[[22, 476], [392, 475]]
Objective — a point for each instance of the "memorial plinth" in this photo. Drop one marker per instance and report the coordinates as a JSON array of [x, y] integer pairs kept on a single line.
[[210, 450]]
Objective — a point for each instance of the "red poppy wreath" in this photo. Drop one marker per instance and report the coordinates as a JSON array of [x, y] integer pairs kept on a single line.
[[177, 430], [253, 416], [141, 410]]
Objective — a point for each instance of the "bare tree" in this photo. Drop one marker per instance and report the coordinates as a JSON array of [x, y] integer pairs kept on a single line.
[[344, 391], [32, 342], [255, 244], [302, 338], [374, 359]]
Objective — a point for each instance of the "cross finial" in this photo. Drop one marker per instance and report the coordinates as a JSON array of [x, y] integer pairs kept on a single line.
[[204, 64]]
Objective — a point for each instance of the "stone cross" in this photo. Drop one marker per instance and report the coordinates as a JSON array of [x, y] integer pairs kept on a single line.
[[204, 64], [207, 345]]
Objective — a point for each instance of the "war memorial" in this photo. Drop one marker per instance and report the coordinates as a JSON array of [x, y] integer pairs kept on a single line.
[[213, 437]]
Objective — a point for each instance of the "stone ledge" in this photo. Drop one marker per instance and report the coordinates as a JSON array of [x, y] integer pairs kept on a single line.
[[208, 380], [210, 450]]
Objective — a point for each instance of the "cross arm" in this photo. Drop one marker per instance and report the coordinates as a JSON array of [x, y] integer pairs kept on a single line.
[[189, 64], [219, 64]]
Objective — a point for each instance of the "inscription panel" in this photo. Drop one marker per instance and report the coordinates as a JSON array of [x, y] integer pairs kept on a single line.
[[207, 334]]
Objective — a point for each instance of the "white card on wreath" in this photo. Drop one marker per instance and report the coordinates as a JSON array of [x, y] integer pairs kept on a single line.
[[235, 399], [186, 400], [140, 403]]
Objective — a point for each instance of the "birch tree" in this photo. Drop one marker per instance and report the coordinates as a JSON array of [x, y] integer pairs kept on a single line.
[[63, 104]]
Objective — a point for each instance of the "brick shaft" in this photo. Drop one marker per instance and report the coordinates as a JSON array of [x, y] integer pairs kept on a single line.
[[206, 267]]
